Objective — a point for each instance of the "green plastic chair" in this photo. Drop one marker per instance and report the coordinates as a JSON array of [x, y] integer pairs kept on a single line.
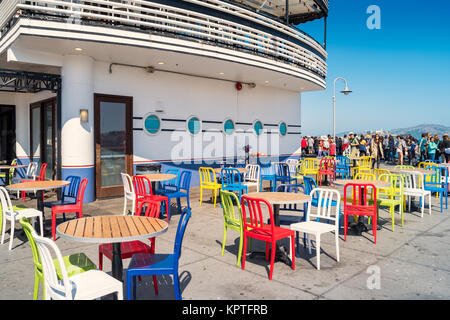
[[75, 263], [391, 196], [11, 171], [231, 220]]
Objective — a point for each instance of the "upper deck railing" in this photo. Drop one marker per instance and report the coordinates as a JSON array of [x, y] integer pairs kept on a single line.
[[274, 39]]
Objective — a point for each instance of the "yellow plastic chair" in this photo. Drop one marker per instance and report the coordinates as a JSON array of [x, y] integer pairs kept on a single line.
[[391, 196], [403, 167], [299, 172], [311, 166], [365, 176], [379, 172], [363, 164], [424, 165], [208, 181]]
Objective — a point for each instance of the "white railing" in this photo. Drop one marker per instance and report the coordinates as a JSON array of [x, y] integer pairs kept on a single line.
[[181, 23]]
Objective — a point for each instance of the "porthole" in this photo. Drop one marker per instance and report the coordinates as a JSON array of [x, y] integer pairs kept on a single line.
[[194, 125], [228, 126], [283, 128], [152, 124], [258, 127]]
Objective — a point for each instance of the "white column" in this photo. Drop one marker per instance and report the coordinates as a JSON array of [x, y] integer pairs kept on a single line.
[[77, 145]]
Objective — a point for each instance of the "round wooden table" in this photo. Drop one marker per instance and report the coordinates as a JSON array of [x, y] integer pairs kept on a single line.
[[39, 187], [276, 199], [112, 229], [158, 177], [7, 167]]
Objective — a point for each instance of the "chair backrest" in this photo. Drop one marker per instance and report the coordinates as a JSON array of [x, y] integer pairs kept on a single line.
[[182, 224], [309, 184], [31, 170], [342, 162], [28, 229], [58, 290], [282, 169], [367, 190], [184, 182], [379, 172], [128, 187], [292, 164], [173, 183], [207, 175], [230, 176], [412, 180], [153, 209], [81, 190], [268, 170], [310, 165], [11, 171], [395, 189], [327, 164], [42, 172], [71, 190], [230, 215], [365, 162], [5, 202], [255, 218], [141, 185], [253, 172], [436, 178], [400, 166], [424, 165], [325, 198], [295, 188], [365, 176]]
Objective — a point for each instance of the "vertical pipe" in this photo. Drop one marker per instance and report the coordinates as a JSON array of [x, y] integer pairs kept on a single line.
[[287, 12], [58, 133], [325, 34]]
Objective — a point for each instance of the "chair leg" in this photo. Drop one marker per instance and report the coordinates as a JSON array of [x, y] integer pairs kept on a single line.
[[176, 286], [129, 286], [318, 251], [41, 224], [201, 195], [292, 251], [272, 259], [240, 249], [336, 237], [392, 211], [12, 233], [125, 205], [155, 284], [429, 202], [245, 252], [36, 286], [345, 226], [224, 238], [100, 260], [54, 225]]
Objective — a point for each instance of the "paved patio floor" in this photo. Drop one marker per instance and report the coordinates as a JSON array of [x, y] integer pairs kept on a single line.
[[412, 261]]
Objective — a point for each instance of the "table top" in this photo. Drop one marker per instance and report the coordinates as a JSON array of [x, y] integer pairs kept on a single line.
[[241, 170], [415, 170], [159, 176], [38, 185], [8, 166], [281, 197], [377, 184], [110, 229], [444, 165]]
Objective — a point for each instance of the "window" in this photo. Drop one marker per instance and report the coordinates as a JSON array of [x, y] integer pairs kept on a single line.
[[228, 126], [258, 127], [283, 128], [152, 124], [194, 125]]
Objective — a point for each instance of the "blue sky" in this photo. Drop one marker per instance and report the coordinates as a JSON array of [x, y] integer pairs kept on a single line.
[[399, 75]]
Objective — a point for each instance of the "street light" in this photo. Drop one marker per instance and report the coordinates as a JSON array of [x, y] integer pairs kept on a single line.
[[346, 91]]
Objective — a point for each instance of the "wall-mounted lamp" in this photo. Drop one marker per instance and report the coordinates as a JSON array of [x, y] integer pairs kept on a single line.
[[84, 116]]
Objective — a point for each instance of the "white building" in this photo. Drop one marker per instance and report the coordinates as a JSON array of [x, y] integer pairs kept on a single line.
[[100, 86]]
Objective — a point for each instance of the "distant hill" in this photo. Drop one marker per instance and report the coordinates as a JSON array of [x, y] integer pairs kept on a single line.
[[415, 131]]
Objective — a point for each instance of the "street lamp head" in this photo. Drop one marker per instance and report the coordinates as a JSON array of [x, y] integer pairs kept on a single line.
[[346, 91]]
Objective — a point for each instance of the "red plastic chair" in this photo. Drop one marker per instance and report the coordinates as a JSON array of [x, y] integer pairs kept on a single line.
[[128, 249], [355, 205], [68, 208], [140, 188], [41, 177], [327, 167], [254, 227]]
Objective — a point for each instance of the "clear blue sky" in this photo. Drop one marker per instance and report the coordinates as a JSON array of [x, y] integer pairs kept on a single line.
[[400, 74]]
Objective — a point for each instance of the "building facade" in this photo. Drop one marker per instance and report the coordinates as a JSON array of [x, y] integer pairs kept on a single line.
[[101, 87]]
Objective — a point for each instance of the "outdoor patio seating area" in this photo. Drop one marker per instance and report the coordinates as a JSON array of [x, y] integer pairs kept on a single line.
[[353, 234]]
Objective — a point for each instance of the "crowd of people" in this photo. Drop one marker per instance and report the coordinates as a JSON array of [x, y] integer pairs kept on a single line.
[[394, 150]]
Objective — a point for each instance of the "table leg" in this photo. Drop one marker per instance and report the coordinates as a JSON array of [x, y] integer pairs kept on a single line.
[[117, 267]]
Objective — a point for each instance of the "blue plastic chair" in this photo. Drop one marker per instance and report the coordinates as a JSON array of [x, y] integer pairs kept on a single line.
[[282, 173], [168, 187], [231, 181], [69, 194], [267, 173], [144, 264], [343, 167], [437, 182], [181, 190]]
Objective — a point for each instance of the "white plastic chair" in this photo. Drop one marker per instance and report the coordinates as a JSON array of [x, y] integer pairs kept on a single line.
[[251, 177], [8, 213], [92, 284], [128, 193], [414, 187], [292, 163], [324, 208], [29, 175]]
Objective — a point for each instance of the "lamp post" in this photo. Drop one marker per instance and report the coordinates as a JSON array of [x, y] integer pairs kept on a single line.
[[346, 91]]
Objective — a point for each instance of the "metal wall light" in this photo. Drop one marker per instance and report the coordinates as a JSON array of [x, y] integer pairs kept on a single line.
[[84, 115]]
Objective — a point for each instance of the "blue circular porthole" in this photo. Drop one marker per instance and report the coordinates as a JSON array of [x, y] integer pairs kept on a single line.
[[194, 125], [228, 126], [258, 127], [283, 128], [152, 124]]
